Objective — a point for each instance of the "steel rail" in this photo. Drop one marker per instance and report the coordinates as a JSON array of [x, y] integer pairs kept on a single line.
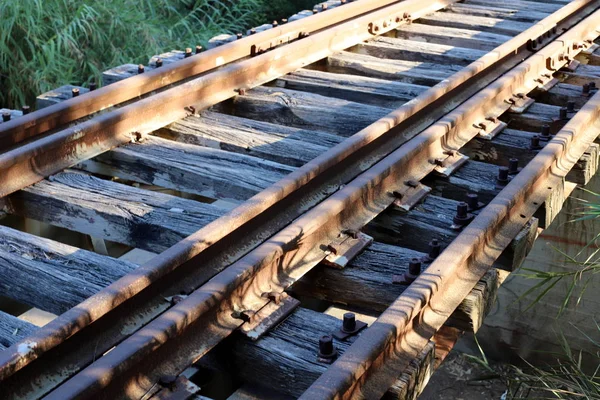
[[111, 308], [380, 355], [33, 161], [40, 121], [185, 332]]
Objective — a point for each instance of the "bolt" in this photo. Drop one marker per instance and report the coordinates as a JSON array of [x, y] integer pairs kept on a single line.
[[198, 49], [6, 116], [570, 106], [275, 24], [332, 248], [473, 201], [438, 162], [353, 233], [75, 92], [159, 62], [462, 214], [242, 92], [315, 11], [349, 324], [188, 52], [252, 31], [275, 297], [93, 86], [563, 113], [284, 21], [592, 85], [414, 267], [326, 348], [411, 183], [481, 126], [513, 166], [239, 36], [397, 194], [520, 95], [324, 7], [492, 119], [176, 299], [26, 109], [167, 381], [502, 178], [545, 134], [535, 143], [434, 249], [140, 69], [586, 88]]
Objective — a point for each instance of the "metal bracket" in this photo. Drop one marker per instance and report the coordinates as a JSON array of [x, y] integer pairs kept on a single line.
[[546, 82], [407, 199], [269, 316], [452, 163], [489, 128], [571, 67], [180, 388], [519, 103], [347, 246]]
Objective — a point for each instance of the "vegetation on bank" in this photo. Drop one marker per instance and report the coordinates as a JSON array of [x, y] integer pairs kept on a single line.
[[46, 44]]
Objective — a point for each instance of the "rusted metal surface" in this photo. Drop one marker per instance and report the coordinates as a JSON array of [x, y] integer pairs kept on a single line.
[[43, 120], [188, 330], [206, 246], [376, 358], [28, 164]]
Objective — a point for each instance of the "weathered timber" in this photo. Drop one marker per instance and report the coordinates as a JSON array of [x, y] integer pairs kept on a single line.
[[480, 178], [411, 50], [13, 329], [167, 58], [415, 377], [473, 22], [510, 143], [286, 357], [194, 169], [306, 110], [509, 13], [58, 95], [417, 73], [273, 142], [257, 392], [429, 220], [534, 118], [560, 94], [575, 78], [13, 113], [366, 284], [360, 89], [485, 41], [121, 72], [50, 275], [139, 218], [544, 7]]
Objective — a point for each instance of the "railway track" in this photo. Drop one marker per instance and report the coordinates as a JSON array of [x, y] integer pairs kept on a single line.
[[390, 159]]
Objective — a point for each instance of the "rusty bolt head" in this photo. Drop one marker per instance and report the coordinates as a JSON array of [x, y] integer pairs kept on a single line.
[[159, 62], [188, 52], [198, 49], [26, 109], [326, 347], [140, 69], [75, 92]]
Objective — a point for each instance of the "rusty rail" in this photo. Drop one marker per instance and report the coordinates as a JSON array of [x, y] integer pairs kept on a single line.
[[40, 121], [31, 162], [133, 292], [188, 330], [377, 358]]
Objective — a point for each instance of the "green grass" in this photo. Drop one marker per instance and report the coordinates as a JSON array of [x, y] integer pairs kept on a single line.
[[46, 44]]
